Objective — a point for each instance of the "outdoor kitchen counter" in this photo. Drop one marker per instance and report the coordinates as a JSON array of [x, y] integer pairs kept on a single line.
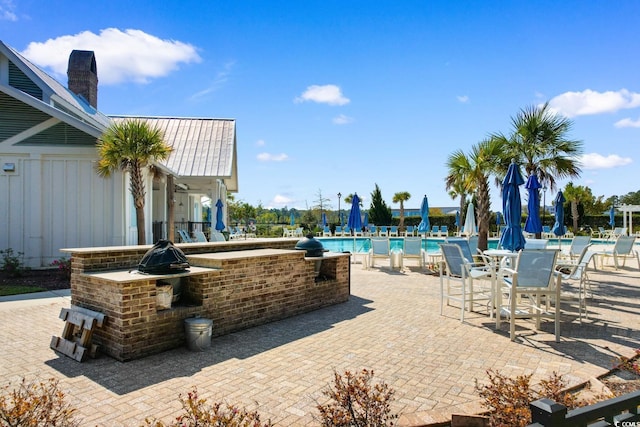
[[237, 289]]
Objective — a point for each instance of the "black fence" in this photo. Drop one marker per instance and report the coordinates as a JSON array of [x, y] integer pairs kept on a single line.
[[160, 229], [620, 411]]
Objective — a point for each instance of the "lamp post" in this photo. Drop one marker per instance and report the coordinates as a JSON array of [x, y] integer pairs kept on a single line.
[[544, 204], [339, 217]]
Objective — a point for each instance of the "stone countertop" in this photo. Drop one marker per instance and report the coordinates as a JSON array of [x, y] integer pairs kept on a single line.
[[122, 276]]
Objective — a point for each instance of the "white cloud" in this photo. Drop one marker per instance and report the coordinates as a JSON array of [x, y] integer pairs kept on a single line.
[[464, 99], [260, 143], [280, 201], [587, 102], [627, 123], [327, 94], [130, 55], [220, 79], [268, 157], [342, 120], [598, 161], [7, 9]]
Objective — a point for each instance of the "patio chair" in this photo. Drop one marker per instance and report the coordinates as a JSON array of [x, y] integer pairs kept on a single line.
[[384, 231], [346, 231], [409, 231], [357, 232], [393, 231], [412, 249], [546, 232], [286, 232], [462, 282], [444, 231], [326, 231], [373, 231], [528, 288], [200, 237], [577, 244], [575, 270], [237, 233], [338, 231], [600, 233], [380, 248], [184, 236], [435, 231], [217, 236], [622, 250], [536, 243]]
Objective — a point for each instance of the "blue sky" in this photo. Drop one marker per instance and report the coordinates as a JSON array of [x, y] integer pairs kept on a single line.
[[336, 96]]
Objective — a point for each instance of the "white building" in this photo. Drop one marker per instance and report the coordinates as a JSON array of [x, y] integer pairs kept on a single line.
[[50, 195]]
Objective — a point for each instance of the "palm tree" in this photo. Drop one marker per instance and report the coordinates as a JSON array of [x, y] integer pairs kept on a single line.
[[575, 195], [473, 173], [130, 146], [539, 142], [401, 197]]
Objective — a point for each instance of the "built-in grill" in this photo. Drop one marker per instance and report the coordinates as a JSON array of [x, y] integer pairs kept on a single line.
[[163, 258]]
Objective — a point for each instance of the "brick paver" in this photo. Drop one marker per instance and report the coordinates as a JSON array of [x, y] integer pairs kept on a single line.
[[391, 324]]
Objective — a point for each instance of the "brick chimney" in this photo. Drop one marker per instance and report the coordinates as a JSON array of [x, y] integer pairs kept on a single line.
[[82, 75]]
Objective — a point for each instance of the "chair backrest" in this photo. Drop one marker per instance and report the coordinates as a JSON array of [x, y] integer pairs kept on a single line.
[[409, 229], [602, 230], [373, 229], [184, 236], [412, 246], [624, 245], [578, 243], [536, 243], [581, 263], [536, 268], [546, 229], [380, 246], [338, 229], [217, 236], [453, 257], [435, 229], [444, 229], [464, 247], [473, 244], [346, 229], [200, 237]]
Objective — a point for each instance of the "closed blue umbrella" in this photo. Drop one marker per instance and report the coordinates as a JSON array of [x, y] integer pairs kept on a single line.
[[424, 225], [365, 221], [324, 219], [533, 224], [292, 219], [612, 216], [498, 218], [559, 228], [512, 238], [457, 219], [355, 220], [219, 224]]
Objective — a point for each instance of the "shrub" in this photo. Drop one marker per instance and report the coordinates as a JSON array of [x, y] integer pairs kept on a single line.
[[356, 402], [197, 412], [64, 266], [35, 404], [11, 262]]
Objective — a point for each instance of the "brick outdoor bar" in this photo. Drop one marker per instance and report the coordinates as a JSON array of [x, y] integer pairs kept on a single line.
[[237, 284]]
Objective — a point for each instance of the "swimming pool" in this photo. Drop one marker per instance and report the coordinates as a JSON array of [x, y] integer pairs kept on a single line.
[[363, 244]]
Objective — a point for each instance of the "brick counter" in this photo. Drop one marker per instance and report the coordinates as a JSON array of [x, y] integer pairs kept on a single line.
[[237, 289]]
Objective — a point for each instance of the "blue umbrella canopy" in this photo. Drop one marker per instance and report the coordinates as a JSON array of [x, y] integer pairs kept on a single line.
[[324, 219], [559, 228], [512, 238], [292, 219], [533, 224], [355, 220], [365, 221], [219, 224], [612, 216], [424, 225], [498, 218]]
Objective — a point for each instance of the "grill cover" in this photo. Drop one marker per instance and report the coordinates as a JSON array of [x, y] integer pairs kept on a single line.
[[163, 258]]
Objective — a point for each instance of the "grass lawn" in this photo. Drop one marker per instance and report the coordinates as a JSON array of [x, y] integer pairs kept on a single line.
[[6, 290]]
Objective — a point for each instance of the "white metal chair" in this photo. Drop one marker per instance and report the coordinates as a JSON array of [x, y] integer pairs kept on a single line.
[[577, 244], [380, 248], [461, 281], [622, 250], [412, 249], [200, 237], [536, 243], [576, 271], [528, 288]]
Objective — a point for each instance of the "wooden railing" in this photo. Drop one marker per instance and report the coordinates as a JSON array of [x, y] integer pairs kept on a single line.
[[620, 411]]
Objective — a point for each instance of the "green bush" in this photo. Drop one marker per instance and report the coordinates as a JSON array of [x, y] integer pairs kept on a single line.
[[11, 262]]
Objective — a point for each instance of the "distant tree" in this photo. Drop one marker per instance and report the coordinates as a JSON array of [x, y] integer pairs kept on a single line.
[[574, 195], [130, 146], [401, 197], [321, 203], [632, 198], [379, 212]]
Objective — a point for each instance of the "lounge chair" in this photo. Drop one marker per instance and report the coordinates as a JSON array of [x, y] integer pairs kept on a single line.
[[200, 237], [528, 288], [546, 232], [623, 249], [326, 231], [236, 233], [338, 231], [444, 231], [384, 231], [393, 231], [357, 232], [373, 231], [217, 236], [412, 249], [346, 231], [435, 231], [380, 248], [184, 236], [600, 233], [409, 231], [458, 281]]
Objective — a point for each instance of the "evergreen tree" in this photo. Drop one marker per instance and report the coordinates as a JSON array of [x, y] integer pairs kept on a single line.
[[379, 212]]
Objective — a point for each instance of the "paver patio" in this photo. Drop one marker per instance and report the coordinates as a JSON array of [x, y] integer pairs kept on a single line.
[[391, 324]]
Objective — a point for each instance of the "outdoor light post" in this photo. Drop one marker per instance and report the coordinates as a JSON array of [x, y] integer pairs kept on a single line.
[[339, 218], [544, 204]]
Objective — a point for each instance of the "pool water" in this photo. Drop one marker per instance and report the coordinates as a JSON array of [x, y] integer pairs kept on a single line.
[[363, 244]]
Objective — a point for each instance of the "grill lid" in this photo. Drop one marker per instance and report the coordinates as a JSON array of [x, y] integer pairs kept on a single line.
[[313, 247], [163, 258]]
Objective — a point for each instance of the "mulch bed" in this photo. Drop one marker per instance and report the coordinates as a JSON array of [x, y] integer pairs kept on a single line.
[[49, 279]]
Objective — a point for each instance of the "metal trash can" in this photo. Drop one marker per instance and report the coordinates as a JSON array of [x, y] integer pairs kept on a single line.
[[198, 333]]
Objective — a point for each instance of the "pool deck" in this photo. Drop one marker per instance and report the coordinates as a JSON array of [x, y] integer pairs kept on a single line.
[[391, 324]]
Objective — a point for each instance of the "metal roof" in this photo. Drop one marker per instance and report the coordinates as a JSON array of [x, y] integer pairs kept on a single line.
[[202, 147]]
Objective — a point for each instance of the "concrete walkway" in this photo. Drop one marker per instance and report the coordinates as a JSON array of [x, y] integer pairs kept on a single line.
[[391, 324]]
